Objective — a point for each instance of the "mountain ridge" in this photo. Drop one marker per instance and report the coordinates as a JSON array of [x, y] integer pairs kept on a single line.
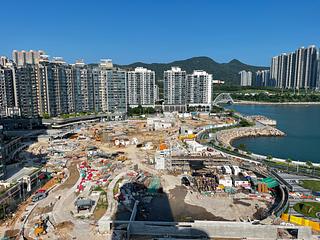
[[228, 72]]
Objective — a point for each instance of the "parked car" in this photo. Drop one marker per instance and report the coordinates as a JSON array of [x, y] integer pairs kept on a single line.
[[39, 196]]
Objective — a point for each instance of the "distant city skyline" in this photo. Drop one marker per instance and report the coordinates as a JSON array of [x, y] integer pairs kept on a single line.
[[163, 31]]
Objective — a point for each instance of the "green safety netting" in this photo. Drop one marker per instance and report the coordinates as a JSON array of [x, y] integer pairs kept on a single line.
[[271, 182], [154, 185]]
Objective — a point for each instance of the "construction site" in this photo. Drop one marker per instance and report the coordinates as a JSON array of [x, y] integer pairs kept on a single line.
[[137, 170]]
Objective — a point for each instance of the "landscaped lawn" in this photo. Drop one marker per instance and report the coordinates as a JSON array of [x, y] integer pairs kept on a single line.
[[313, 185], [308, 209]]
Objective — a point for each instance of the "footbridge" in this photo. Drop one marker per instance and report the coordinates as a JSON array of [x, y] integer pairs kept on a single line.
[[223, 98]]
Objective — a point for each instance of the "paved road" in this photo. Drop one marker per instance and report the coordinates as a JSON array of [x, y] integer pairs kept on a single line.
[[112, 203]]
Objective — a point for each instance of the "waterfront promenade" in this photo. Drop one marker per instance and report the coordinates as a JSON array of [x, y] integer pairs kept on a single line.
[[274, 103]]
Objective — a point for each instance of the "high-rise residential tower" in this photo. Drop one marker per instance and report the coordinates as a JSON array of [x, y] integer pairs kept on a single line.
[[104, 67], [245, 78], [26, 90], [141, 84], [7, 96], [174, 89], [199, 90], [83, 87], [263, 78], [23, 57], [296, 70], [117, 91]]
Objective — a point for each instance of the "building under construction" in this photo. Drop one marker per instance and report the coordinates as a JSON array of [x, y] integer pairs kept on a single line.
[[189, 163]]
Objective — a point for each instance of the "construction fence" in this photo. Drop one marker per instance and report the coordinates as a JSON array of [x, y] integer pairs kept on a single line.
[[301, 221]]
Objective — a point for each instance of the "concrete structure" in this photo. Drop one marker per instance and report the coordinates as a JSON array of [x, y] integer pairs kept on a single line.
[[204, 230], [156, 124], [245, 78], [235, 170], [160, 159], [19, 123], [199, 90], [22, 185], [9, 146], [194, 146], [141, 87], [226, 169], [174, 89], [239, 181], [186, 130], [182, 162]]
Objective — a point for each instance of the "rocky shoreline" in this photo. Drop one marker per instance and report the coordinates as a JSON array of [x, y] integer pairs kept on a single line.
[[227, 136]]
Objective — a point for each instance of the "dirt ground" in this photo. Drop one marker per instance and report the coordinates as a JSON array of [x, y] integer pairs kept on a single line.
[[227, 207], [186, 204], [62, 229], [183, 211], [73, 177]]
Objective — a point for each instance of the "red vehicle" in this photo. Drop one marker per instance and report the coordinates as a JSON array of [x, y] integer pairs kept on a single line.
[[41, 190]]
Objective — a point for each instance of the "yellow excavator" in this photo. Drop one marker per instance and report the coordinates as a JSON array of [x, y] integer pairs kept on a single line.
[[122, 158], [40, 227]]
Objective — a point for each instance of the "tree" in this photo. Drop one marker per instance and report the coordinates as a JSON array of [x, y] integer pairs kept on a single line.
[[288, 161], [46, 115], [216, 109], [309, 164], [269, 157], [245, 123], [140, 111]]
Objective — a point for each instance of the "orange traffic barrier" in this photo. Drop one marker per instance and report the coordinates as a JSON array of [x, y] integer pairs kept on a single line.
[[301, 221]]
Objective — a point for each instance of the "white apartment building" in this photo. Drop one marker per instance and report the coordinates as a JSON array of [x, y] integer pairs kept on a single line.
[[199, 89], [141, 87], [245, 78], [174, 90], [104, 67]]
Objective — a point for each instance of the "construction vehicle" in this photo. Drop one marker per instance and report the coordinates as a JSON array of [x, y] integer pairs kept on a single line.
[[188, 136], [122, 158], [40, 227], [96, 135], [84, 204]]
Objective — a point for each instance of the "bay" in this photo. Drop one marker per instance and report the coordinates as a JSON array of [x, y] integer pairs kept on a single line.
[[301, 123]]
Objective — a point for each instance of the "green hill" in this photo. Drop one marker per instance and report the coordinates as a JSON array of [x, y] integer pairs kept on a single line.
[[222, 71]]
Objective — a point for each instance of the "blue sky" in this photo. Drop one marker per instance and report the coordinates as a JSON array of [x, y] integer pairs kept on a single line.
[[160, 31]]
